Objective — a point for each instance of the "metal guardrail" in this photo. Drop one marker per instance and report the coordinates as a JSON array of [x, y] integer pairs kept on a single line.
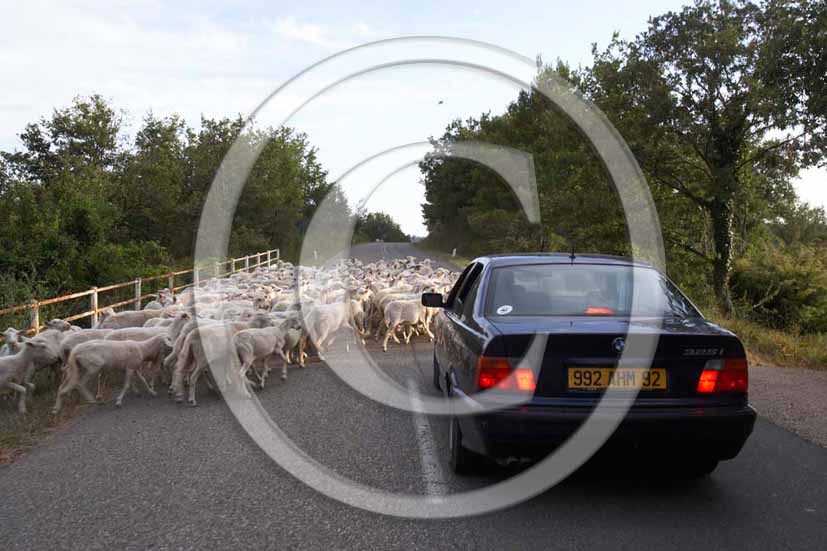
[[95, 307]]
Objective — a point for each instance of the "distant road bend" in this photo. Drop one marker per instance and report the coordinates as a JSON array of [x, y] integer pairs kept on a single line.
[[160, 475]]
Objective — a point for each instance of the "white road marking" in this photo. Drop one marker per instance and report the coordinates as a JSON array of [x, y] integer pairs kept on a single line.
[[435, 483]]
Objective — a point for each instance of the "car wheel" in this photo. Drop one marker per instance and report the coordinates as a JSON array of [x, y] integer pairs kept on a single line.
[[436, 375], [463, 461]]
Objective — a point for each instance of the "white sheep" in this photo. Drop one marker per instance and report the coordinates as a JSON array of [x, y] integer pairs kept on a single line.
[[403, 314], [129, 318], [202, 345], [324, 320], [17, 370], [13, 375], [11, 342], [90, 358], [255, 347]]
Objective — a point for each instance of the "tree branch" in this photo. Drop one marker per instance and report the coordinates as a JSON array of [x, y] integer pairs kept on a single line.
[[687, 247]]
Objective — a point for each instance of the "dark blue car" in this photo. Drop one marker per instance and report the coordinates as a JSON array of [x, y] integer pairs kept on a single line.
[[692, 405]]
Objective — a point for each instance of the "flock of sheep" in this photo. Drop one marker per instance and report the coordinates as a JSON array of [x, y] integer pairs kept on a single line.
[[273, 314]]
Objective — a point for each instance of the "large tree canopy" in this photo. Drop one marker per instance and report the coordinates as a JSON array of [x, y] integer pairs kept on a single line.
[[721, 103], [82, 206], [371, 226], [717, 104]]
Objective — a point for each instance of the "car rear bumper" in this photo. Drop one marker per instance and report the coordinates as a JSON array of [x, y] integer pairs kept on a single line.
[[532, 431]]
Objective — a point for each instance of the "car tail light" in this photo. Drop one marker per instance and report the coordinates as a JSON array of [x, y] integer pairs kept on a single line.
[[599, 311], [724, 375], [497, 373]]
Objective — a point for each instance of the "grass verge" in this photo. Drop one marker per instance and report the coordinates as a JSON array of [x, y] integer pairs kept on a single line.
[[19, 433], [458, 262], [778, 347]]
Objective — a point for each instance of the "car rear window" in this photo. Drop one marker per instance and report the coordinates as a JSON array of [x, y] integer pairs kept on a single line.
[[584, 289]]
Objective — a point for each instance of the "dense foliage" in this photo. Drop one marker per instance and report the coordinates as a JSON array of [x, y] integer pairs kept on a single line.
[[371, 226], [82, 207], [722, 104]]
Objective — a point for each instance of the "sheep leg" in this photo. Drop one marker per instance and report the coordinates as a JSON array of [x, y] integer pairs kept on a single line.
[[84, 390], [99, 392], [196, 373], [66, 386], [149, 388], [261, 373], [127, 382], [245, 354], [391, 330], [176, 387], [393, 333], [21, 400], [317, 344], [284, 363]]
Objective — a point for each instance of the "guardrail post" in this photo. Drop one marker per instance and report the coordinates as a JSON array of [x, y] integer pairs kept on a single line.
[[247, 264], [171, 284], [138, 294], [232, 270], [278, 254], [93, 304], [217, 269], [35, 317], [268, 259]]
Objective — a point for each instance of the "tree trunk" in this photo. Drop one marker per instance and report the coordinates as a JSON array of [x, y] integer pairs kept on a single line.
[[722, 218]]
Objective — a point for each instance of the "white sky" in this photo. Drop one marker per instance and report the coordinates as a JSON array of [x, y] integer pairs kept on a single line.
[[223, 59]]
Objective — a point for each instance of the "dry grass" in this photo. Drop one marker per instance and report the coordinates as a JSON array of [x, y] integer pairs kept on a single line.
[[459, 262], [779, 347], [19, 433]]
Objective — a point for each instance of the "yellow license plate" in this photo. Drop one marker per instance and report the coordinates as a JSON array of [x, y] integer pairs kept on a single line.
[[594, 378]]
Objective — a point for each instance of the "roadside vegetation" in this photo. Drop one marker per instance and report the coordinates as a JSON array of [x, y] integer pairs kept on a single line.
[[722, 104], [85, 205]]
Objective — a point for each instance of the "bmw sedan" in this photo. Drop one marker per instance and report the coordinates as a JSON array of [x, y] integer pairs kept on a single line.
[[688, 391]]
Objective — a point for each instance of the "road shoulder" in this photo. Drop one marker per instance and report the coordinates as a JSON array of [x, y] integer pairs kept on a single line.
[[793, 398]]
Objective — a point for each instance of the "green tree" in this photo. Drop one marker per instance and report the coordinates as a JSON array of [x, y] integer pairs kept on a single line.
[[371, 226], [151, 183], [700, 99]]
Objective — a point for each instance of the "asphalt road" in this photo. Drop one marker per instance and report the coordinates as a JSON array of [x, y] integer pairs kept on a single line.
[[160, 475]]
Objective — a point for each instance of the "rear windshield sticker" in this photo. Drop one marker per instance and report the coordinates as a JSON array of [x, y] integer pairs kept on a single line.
[[505, 309]]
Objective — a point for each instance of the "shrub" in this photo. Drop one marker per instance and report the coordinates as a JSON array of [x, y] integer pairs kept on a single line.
[[783, 288]]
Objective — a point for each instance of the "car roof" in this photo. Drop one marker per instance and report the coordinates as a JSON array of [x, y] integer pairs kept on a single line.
[[515, 259]]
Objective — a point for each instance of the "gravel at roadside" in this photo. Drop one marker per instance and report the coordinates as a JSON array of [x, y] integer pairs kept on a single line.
[[795, 399]]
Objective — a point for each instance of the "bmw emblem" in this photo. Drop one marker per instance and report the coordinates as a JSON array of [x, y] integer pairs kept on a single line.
[[618, 344]]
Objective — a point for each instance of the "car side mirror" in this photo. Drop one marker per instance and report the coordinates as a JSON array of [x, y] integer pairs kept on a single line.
[[432, 300]]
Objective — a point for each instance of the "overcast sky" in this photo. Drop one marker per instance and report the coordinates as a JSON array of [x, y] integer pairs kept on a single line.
[[222, 59]]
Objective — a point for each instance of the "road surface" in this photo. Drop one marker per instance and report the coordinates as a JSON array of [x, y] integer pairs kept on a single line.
[[160, 475]]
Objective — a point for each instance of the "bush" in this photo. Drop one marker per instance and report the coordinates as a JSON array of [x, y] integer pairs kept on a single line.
[[783, 288]]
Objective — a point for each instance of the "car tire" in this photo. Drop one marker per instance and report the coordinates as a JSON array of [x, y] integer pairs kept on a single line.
[[462, 460]]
